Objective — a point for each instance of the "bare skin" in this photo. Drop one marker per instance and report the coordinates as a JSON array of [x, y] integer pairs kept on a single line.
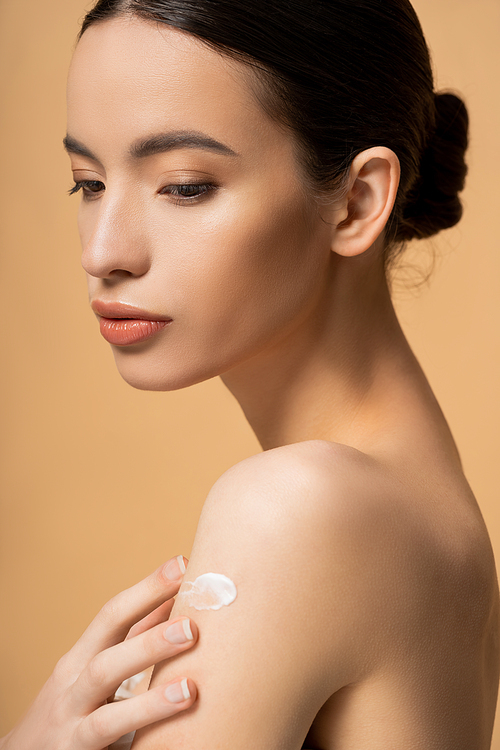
[[367, 608]]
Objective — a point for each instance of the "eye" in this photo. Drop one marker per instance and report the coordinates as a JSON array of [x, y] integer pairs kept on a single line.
[[188, 192], [90, 188]]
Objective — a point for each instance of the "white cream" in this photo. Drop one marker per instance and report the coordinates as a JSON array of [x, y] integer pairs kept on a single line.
[[208, 591]]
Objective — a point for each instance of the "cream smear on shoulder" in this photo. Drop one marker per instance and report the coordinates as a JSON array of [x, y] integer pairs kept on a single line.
[[208, 591]]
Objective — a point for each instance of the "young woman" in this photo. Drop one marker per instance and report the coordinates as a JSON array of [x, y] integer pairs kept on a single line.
[[248, 173]]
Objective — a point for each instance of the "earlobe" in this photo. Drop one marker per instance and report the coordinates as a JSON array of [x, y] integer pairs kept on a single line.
[[373, 186]]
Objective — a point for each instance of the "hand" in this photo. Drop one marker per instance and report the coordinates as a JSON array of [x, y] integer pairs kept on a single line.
[[75, 708]]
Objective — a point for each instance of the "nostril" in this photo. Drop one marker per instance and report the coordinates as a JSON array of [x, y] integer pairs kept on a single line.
[[121, 273], [115, 243], [114, 263]]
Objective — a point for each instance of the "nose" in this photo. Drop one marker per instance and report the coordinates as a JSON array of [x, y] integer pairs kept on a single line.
[[113, 241]]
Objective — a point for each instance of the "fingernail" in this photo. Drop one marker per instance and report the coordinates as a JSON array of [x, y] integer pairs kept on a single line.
[[178, 692], [179, 632], [175, 568]]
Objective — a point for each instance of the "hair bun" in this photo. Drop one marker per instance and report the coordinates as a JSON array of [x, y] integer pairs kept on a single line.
[[433, 203]]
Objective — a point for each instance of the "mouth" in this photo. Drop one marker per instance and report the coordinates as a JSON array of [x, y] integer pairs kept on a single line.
[[123, 325]]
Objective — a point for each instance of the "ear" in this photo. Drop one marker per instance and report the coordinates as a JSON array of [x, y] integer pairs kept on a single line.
[[365, 210]]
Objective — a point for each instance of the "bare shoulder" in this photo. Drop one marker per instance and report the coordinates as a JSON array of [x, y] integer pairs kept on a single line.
[[328, 521], [302, 480], [268, 661], [315, 497], [404, 555], [340, 571], [298, 508]]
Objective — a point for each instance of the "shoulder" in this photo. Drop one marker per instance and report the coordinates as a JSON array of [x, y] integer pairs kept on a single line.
[[347, 491], [325, 519], [309, 490], [349, 530], [300, 624], [316, 471], [311, 458], [289, 527]]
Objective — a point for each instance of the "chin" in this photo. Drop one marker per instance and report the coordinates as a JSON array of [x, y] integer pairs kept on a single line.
[[160, 376]]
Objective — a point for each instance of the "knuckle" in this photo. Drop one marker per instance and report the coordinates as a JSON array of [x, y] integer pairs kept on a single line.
[[153, 644], [109, 613], [58, 712], [97, 726], [97, 671], [156, 582], [63, 670]]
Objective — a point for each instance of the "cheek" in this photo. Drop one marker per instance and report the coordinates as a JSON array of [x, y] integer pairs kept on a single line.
[[252, 273]]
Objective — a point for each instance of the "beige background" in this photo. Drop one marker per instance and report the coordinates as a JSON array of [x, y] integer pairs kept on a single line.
[[101, 483]]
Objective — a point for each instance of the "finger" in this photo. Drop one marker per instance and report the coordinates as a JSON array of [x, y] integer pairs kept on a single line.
[[110, 722], [120, 613], [108, 669], [160, 614]]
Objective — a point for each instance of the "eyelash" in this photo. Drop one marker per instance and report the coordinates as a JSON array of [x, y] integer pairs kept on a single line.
[[85, 185], [176, 191], [173, 190]]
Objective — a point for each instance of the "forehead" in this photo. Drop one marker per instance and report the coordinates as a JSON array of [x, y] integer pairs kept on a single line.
[[130, 77]]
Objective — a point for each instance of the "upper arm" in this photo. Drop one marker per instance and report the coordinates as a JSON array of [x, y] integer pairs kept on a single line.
[[266, 663]]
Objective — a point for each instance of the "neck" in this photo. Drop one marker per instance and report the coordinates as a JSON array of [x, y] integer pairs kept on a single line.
[[331, 377]]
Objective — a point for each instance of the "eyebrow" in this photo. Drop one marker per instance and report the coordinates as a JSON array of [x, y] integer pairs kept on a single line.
[[158, 144]]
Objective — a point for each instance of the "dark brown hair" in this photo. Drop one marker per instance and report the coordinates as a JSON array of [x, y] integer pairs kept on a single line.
[[344, 76]]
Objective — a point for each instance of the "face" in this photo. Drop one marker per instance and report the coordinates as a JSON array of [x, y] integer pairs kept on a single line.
[[201, 245]]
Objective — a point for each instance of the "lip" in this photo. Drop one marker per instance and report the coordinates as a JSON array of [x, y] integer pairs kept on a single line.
[[122, 310], [123, 325]]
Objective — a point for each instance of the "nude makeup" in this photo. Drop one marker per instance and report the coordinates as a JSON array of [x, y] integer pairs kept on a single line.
[[125, 332], [123, 325]]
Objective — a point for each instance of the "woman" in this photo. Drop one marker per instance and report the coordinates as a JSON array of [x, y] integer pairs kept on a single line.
[[248, 173]]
